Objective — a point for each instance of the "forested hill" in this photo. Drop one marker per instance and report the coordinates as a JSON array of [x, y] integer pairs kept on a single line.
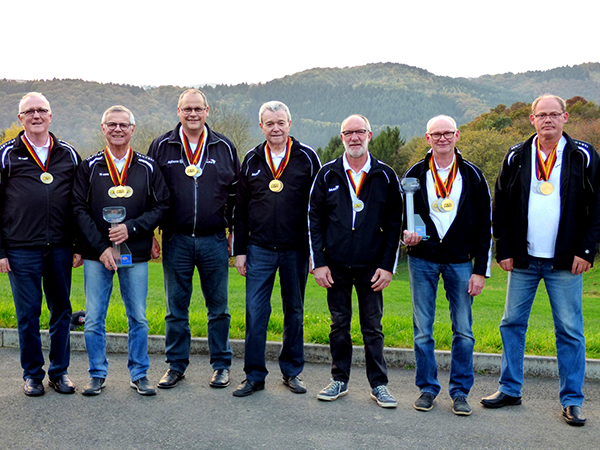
[[388, 94]]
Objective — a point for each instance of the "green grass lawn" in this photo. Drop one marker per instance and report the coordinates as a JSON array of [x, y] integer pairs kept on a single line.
[[397, 321]]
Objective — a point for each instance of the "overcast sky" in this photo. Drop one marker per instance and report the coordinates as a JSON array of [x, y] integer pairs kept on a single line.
[[185, 43]]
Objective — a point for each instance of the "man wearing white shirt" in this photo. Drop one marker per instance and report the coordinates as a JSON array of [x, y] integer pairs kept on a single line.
[[355, 217], [36, 240], [546, 221], [454, 202]]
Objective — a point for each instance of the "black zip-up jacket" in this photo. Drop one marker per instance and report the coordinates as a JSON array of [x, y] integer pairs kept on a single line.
[[469, 238], [34, 213], [372, 240], [579, 227], [198, 206], [144, 208], [274, 220]]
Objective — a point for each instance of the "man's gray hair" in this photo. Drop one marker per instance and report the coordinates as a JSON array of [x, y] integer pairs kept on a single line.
[[441, 116], [118, 108], [274, 106], [563, 105], [192, 91], [34, 94], [367, 124]]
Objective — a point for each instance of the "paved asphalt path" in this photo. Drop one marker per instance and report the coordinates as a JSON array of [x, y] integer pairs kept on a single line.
[[195, 416]]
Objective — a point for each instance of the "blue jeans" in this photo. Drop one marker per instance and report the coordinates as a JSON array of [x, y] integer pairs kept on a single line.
[[262, 265], [181, 254], [424, 277], [370, 310], [133, 283], [565, 291], [31, 270]]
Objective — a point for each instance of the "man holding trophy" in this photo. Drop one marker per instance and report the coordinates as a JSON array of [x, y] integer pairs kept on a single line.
[[452, 201], [119, 196]]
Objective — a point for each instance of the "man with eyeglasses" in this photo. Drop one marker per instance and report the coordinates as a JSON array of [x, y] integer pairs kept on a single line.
[[271, 235], [454, 203], [201, 168], [355, 217], [127, 189], [546, 221], [36, 240]]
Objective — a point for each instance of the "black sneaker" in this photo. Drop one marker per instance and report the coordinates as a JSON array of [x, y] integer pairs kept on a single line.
[[460, 407], [424, 402], [143, 386], [95, 386], [295, 384]]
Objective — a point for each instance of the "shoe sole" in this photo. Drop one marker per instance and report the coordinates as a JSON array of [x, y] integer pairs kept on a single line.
[[139, 391], [328, 398], [501, 405], [422, 408], [385, 404], [218, 386], [37, 394], [57, 389], [462, 413], [238, 393]]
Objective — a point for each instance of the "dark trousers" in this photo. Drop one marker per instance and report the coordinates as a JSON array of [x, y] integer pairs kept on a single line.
[[370, 309], [32, 269]]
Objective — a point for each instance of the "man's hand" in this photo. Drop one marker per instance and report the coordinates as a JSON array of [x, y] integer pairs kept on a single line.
[[118, 234], [77, 260], [323, 277], [411, 238], [381, 280], [155, 252], [108, 259], [506, 264], [476, 285], [580, 265], [4, 265], [240, 264]]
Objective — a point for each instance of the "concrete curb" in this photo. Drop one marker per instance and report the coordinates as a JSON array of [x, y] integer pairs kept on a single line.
[[537, 366]]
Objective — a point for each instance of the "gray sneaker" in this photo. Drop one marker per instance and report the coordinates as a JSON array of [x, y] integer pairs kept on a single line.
[[143, 386], [424, 402], [460, 407], [334, 390], [382, 396], [94, 387]]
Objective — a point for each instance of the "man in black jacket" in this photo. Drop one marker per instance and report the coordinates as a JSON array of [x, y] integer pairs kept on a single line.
[[354, 222], [201, 169], [546, 221], [118, 178], [454, 203], [36, 240], [271, 235]]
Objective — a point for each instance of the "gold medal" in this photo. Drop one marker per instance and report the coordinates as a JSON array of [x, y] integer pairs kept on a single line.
[[128, 191], [191, 170], [111, 192], [46, 178], [358, 205], [546, 188], [447, 205], [120, 191], [276, 186]]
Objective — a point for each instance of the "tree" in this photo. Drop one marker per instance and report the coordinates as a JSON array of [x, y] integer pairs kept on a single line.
[[233, 124], [10, 133], [333, 150], [386, 144]]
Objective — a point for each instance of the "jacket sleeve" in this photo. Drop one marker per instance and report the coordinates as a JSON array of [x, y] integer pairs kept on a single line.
[[392, 225], [499, 211], [317, 221], [232, 189], [482, 247], [87, 226], [589, 246], [240, 217], [157, 205]]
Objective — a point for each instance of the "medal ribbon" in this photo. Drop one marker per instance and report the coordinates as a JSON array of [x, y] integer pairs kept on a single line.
[[358, 187], [193, 158], [544, 168], [277, 172], [443, 189], [118, 178], [35, 156]]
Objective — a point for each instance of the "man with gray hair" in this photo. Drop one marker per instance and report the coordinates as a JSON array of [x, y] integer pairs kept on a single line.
[[127, 189], [454, 203], [271, 234], [36, 240]]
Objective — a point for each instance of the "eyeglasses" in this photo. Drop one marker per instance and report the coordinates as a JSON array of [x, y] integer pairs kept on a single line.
[[188, 111], [437, 136], [31, 112], [113, 126], [358, 133], [554, 115]]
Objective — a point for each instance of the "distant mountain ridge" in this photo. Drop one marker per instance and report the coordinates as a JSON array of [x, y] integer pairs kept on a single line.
[[389, 94]]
